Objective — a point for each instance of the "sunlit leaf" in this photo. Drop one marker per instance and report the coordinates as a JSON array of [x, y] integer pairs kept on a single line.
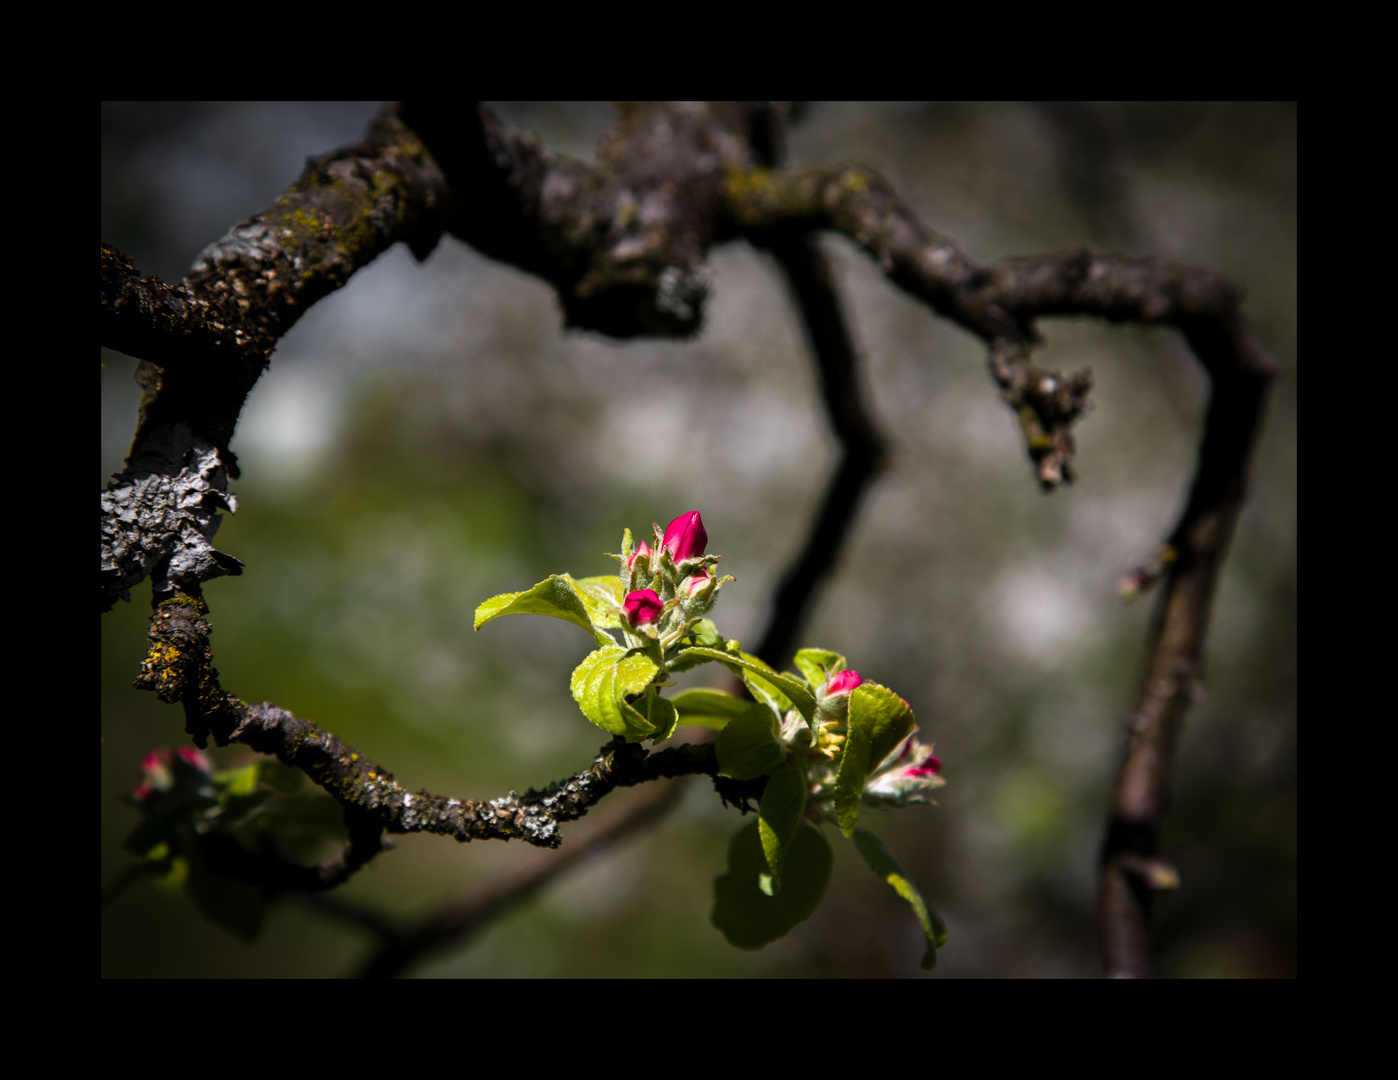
[[602, 683], [558, 595], [878, 721], [818, 664], [761, 678]]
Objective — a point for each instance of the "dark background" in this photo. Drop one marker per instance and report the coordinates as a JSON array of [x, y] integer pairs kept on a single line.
[[428, 437]]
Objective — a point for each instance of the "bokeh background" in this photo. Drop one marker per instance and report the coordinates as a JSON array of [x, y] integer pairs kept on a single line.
[[428, 437]]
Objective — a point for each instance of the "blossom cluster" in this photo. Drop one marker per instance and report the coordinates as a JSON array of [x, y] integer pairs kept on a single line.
[[671, 584], [907, 776]]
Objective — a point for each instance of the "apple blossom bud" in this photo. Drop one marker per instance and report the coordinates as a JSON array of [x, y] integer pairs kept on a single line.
[[695, 583], [641, 607], [641, 553], [636, 568], [908, 775], [157, 770], [685, 537], [842, 682], [832, 699]]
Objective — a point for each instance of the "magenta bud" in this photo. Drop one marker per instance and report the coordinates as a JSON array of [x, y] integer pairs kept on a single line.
[[685, 537], [156, 770], [641, 552], [696, 582], [642, 606], [842, 682]]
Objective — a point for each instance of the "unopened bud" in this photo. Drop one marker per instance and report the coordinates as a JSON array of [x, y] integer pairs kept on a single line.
[[685, 537], [641, 607], [842, 682]]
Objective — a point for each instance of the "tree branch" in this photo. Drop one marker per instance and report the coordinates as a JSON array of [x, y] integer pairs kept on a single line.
[[624, 243], [808, 276], [457, 922], [1001, 303], [1131, 867], [179, 668], [204, 343]]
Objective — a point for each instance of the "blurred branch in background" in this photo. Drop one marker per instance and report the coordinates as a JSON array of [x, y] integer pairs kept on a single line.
[[637, 267]]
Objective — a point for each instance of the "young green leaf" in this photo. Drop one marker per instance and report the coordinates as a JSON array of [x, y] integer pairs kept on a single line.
[[762, 679], [708, 708], [878, 721], [601, 596], [699, 632], [558, 596], [783, 804], [748, 917], [602, 683], [818, 664], [750, 746], [661, 713], [882, 863]]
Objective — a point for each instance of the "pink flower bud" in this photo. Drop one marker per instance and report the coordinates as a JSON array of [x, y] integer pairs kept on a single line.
[[157, 775], [842, 682], [642, 606], [642, 552], [685, 537], [197, 758], [696, 581]]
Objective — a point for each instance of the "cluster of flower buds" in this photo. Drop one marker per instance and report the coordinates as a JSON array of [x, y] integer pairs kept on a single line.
[[158, 771], [672, 583], [908, 775]]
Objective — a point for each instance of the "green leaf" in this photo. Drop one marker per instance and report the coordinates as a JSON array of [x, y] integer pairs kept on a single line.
[[783, 804], [882, 862], [602, 683], [878, 721], [818, 664], [558, 595], [708, 708], [699, 632], [602, 597], [762, 679], [660, 712], [241, 783], [748, 917], [750, 746]]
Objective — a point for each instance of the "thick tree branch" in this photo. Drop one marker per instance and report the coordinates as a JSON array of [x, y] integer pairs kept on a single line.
[[204, 343], [623, 241], [179, 668], [1001, 303]]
